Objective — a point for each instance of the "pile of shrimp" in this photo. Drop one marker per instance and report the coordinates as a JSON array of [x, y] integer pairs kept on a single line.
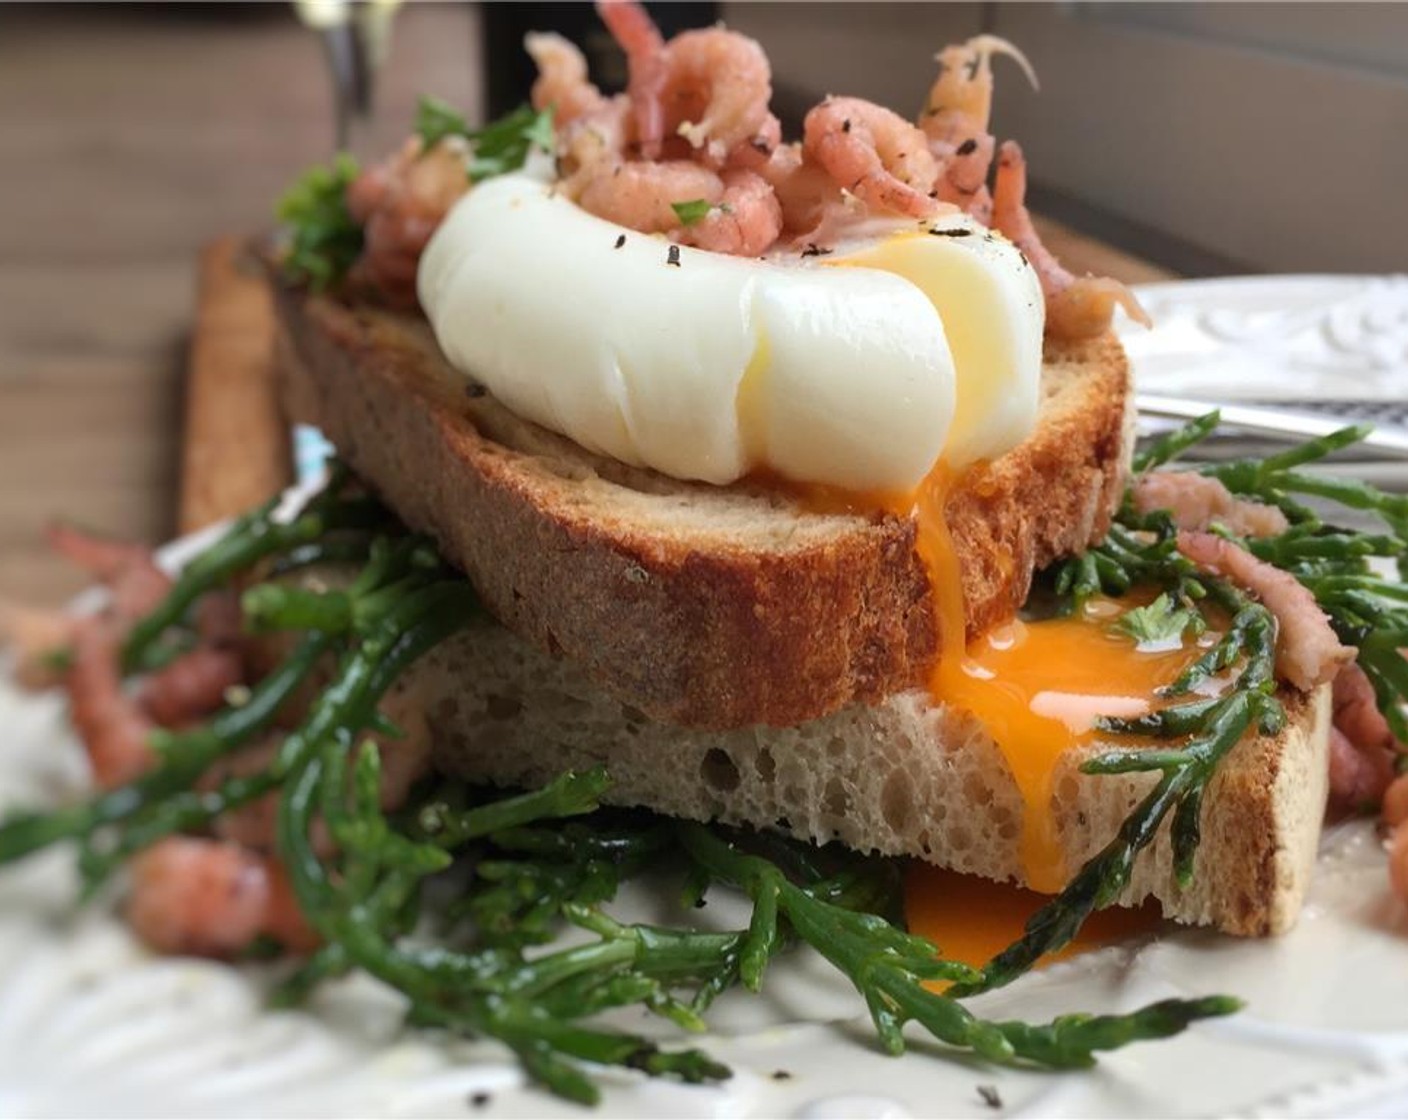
[[210, 895], [694, 125], [399, 203]]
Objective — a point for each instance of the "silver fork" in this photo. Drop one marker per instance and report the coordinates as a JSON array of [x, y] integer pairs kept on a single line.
[[1284, 424]]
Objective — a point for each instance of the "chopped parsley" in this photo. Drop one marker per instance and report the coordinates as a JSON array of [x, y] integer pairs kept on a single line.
[[503, 145], [436, 120], [58, 660], [1159, 623], [325, 239], [695, 210], [499, 147]]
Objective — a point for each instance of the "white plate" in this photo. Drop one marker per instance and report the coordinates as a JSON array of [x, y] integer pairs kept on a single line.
[[91, 1025], [1288, 338]]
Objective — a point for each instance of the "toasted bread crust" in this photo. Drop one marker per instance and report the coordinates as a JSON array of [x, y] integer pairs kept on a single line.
[[700, 606]]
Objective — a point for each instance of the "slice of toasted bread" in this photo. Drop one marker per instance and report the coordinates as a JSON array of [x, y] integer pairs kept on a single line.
[[703, 606], [903, 777]]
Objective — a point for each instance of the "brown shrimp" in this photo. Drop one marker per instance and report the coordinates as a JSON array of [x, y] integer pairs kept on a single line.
[[1198, 502], [746, 222], [806, 194], [744, 216], [1395, 803], [195, 683], [253, 824], [1395, 815], [192, 686], [875, 154], [1362, 745], [591, 128], [593, 145], [1308, 652], [646, 65], [1357, 711], [405, 760], [955, 119], [210, 898], [756, 152], [129, 571], [400, 202], [1398, 862], [115, 731], [1075, 307], [963, 181], [220, 618], [640, 194], [562, 83], [103, 558], [116, 726], [959, 105], [717, 87], [1359, 775]]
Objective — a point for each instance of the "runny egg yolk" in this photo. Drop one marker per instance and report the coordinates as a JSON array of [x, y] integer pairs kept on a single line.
[[971, 920], [1037, 687]]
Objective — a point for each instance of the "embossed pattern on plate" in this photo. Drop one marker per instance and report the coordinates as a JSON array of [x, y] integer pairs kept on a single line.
[[1275, 338]]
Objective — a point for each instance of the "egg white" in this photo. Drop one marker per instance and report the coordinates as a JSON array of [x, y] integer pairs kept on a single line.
[[847, 370]]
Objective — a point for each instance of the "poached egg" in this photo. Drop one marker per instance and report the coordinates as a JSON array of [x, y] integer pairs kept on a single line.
[[859, 369]]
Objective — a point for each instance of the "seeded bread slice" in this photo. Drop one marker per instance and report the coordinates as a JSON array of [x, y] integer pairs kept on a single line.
[[903, 777], [702, 606]]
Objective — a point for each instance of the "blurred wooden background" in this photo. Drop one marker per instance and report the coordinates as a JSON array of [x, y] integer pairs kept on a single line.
[[132, 137]]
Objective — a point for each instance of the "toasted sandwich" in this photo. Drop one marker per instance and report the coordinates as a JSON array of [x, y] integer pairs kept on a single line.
[[733, 654], [795, 488], [676, 459]]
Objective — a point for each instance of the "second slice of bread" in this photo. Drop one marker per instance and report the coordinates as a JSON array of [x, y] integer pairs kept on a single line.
[[905, 776], [703, 606]]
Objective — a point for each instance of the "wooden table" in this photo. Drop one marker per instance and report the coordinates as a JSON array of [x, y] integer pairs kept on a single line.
[[132, 137]]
